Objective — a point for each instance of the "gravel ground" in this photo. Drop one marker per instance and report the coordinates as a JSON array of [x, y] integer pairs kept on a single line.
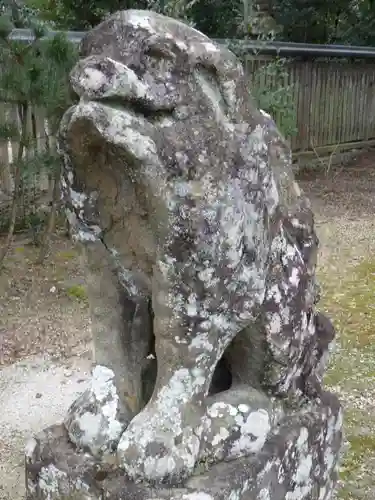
[[29, 403], [45, 340]]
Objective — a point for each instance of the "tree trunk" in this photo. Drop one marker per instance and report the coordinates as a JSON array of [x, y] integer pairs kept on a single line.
[[17, 184], [51, 218]]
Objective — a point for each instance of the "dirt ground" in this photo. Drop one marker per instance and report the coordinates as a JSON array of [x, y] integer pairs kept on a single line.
[[45, 327]]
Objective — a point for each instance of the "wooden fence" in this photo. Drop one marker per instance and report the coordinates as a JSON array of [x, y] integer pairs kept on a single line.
[[334, 102]]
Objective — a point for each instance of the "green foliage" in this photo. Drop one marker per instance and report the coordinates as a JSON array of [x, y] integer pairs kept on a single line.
[[313, 22], [6, 26], [31, 223], [275, 95], [9, 131], [216, 18], [78, 14], [357, 24], [77, 292], [336, 21], [19, 14], [36, 73], [34, 76]]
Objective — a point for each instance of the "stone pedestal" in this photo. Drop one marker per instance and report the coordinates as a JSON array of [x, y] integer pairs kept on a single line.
[[299, 461]]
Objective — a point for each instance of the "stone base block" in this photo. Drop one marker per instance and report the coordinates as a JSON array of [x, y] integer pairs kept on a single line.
[[299, 461]]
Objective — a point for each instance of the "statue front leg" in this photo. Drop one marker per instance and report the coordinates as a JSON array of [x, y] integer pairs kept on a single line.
[[163, 441], [121, 329], [121, 324]]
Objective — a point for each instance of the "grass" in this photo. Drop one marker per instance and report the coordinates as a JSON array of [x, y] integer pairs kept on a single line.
[[66, 255], [349, 299], [77, 292]]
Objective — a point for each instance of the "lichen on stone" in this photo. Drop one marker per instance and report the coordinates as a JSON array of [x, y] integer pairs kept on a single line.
[[93, 420]]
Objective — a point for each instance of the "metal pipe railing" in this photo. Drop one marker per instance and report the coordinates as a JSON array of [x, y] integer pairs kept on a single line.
[[243, 46]]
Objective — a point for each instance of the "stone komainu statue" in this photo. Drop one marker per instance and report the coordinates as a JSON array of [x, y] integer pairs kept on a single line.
[[201, 252]]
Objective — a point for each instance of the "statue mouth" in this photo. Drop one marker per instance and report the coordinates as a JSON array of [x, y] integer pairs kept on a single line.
[[100, 122], [114, 84]]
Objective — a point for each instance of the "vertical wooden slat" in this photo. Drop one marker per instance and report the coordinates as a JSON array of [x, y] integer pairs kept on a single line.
[[348, 92], [363, 105], [332, 112], [339, 95], [328, 102], [310, 104], [304, 110], [349, 107], [344, 105], [369, 90], [319, 104], [294, 100], [352, 97], [371, 108], [311, 111], [298, 72], [370, 131], [325, 105], [340, 104], [348, 104], [358, 103]]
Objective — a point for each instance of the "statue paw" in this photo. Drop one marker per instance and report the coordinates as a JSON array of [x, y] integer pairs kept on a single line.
[[158, 448], [94, 421], [237, 424]]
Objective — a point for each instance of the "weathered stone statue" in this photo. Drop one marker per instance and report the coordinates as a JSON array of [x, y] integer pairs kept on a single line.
[[201, 252]]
